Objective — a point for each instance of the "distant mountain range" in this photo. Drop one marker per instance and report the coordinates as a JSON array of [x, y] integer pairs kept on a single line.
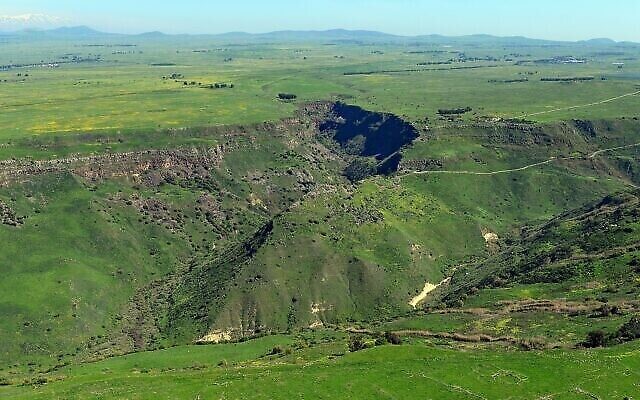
[[333, 35]]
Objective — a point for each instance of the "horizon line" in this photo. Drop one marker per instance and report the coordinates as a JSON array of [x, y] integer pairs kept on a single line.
[[400, 36]]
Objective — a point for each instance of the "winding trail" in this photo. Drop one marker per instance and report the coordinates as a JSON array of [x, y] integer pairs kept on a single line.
[[503, 171], [597, 153], [637, 92], [529, 166]]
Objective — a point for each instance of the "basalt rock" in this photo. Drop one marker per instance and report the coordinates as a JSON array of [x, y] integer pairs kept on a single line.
[[8, 216]]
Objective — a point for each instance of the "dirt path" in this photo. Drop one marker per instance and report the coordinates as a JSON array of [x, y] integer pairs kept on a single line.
[[526, 167], [503, 171], [637, 92], [597, 153], [428, 288]]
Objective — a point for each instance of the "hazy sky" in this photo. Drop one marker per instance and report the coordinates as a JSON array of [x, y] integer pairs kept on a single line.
[[548, 19]]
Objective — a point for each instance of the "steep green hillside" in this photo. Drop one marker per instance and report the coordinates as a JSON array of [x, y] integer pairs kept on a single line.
[[87, 237], [570, 282], [219, 234], [591, 251], [362, 253]]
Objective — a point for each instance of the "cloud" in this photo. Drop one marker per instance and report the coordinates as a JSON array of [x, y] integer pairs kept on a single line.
[[24, 21]]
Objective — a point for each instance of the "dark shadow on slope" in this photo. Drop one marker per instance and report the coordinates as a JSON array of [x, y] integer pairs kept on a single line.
[[369, 134]]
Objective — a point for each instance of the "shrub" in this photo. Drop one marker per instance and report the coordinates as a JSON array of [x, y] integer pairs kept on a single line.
[[606, 310], [532, 344], [380, 341]]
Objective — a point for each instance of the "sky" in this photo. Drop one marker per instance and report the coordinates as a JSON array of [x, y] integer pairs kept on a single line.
[[544, 19]]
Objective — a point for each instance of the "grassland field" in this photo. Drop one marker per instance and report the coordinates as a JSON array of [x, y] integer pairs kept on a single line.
[[126, 92]]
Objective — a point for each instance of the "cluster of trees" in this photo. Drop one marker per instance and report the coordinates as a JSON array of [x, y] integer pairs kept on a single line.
[[360, 169], [569, 79], [434, 63], [454, 111], [358, 342], [430, 52], [175, 75], [287, 96], [508, 80], [627, 332], [219, 85]]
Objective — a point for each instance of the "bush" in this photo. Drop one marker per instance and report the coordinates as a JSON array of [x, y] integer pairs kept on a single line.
[[380, 341], [532, 344], [606, 310]]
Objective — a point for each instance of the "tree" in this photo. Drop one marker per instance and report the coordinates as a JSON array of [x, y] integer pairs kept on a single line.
[[595, 339], [630, 330], [393, 338]]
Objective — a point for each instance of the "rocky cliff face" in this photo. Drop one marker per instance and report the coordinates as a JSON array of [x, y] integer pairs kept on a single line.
[[149, 166]]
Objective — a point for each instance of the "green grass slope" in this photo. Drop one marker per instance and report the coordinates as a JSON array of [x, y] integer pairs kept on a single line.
[[595, 246], [361, 253], [225, 233], [324, 371]]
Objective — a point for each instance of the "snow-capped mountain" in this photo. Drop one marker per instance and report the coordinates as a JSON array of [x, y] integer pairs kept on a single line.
[[30, 21]]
